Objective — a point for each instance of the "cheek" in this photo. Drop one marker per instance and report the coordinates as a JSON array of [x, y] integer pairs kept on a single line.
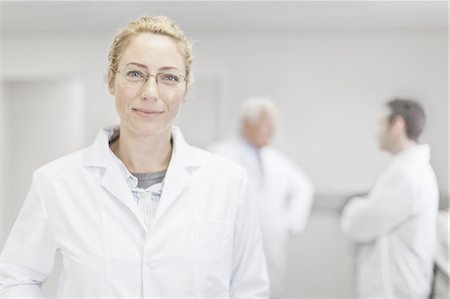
[[124, 97], [382, 129], [174, 101], [379, 131], [271, 130], [266, 130]]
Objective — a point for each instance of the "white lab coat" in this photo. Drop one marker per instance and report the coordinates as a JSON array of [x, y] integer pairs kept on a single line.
[[395, 229], [203, 243], [283, 193]]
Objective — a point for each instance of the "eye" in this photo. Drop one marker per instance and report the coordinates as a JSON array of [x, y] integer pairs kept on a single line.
[[170, 78], [135, 75]]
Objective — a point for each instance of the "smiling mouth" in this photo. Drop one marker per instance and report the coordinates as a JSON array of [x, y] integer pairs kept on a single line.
[[146, 112]]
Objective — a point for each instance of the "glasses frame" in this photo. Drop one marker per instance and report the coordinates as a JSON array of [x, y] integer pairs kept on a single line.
[[149, 75]]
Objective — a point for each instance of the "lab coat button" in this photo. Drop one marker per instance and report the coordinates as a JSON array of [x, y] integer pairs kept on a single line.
[[153, 264]]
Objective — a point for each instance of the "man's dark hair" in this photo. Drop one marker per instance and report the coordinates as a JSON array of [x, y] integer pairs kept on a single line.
[[412, 113]]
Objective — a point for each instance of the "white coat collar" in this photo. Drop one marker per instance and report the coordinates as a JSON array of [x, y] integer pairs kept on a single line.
[[242, 140], [184, 155], [184, 161], [416, 153]]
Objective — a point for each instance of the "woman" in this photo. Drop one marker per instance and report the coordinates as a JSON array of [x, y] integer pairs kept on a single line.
[[140, 213]]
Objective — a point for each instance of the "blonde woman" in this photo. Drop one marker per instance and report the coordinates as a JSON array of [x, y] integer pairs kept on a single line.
[[140, 213]]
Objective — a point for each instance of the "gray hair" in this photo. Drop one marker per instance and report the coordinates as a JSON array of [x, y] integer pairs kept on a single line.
[[252, 108]]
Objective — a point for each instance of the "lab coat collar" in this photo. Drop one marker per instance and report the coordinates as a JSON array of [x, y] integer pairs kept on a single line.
[[417, 153], [183, 154], [249, 146], [184, 161], [98, 153]]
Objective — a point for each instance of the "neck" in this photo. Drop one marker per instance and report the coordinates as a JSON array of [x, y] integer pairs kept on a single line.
[[143, 154], [402, 146]]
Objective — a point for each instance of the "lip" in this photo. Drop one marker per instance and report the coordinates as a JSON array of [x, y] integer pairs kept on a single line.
[[147, 112]]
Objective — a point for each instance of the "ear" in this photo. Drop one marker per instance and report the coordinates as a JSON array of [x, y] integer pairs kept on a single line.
[[111, 79], [398, 125]]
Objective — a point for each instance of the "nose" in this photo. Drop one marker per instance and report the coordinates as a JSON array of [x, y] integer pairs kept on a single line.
[[150, 89]]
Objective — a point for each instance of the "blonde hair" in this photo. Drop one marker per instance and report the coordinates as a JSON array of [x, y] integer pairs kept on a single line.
[[150, 24]]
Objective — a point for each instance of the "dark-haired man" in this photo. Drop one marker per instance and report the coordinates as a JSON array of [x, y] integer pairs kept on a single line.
[[394, 226]]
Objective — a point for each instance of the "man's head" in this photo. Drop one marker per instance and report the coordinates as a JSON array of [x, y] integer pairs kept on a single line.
[[258, 121], [402, 123]]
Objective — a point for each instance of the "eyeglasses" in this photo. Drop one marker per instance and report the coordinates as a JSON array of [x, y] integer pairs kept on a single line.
[[166, 80]]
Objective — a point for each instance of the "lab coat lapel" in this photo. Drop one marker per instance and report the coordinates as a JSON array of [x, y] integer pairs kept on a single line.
[[114, 182], [176, 181], [252, 159], [112, 178], [182, 164]]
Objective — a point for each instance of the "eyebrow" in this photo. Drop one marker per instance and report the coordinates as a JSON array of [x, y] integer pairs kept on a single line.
[[145, 67], [138, 64], [169, 68]]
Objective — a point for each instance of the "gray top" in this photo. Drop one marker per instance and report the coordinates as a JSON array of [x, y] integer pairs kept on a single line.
[[146, 188], [146, 180]]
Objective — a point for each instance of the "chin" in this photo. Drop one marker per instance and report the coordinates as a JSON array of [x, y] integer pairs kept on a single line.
[[148, 129]]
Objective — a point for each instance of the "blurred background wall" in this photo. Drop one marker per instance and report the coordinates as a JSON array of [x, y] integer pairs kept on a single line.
[[329, 66]]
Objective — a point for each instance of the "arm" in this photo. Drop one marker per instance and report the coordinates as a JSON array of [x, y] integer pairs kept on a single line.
[[300, 196], [27, 257], [388, 205], [249, 273]]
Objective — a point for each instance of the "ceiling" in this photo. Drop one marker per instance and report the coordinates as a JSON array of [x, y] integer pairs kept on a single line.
[[100, 17]]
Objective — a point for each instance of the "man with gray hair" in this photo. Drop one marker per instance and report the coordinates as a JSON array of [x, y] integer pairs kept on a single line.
[[282, 192]]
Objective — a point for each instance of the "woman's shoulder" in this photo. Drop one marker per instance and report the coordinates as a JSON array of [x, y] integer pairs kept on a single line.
[[62, 164]]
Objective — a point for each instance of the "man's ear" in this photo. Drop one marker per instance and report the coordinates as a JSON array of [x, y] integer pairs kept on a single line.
[[398, 124], [111, 78]]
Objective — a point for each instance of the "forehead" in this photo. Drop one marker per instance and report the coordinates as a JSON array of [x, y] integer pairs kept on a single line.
[[265, 116], [154, 51]]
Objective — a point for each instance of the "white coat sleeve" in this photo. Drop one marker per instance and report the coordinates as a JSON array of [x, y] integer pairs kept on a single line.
[[28, 255], [388, 205], [249, 270], [300, 199]]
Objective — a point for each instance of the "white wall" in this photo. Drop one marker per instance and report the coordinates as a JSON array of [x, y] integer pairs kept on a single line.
[[42, 121], [329, 87], [3, 200], [2, 129]]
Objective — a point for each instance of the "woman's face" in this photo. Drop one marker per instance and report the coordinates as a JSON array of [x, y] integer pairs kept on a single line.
[[148, 108]]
